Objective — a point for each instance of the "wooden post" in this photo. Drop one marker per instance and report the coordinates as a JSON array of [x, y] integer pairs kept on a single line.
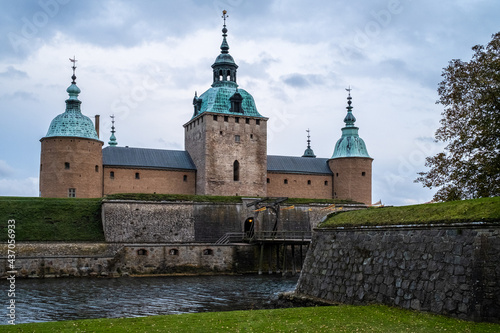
[[284, 260], [261, 258], [294, 267]]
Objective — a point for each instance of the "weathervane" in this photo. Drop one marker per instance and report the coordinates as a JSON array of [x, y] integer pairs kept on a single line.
[[224, 16], [349, 90], [74, 68]]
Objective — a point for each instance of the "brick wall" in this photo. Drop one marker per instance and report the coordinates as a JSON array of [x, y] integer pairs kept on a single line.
[[300, 186], [69, 162], [124, 180], [352, 178]]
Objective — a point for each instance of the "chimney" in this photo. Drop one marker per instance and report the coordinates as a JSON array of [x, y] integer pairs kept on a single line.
[[97, 124]]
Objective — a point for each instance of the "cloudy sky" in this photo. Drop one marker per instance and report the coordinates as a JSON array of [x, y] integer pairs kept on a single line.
[[143, 60]]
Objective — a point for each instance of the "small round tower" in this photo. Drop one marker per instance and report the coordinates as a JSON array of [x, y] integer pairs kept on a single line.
[[350, 163], [71, 153]]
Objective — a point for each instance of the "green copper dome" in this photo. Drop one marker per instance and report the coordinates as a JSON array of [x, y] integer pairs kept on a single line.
[[224, 96], [217, 99], [72, 122], [350, 144]]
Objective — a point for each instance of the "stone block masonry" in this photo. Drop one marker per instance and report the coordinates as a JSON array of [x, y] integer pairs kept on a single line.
[[447, 269]]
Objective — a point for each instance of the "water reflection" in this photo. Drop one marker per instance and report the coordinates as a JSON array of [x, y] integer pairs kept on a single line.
[[66, 299]]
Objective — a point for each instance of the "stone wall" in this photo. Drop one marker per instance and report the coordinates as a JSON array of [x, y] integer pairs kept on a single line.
[[445, 269], [47, 260], [167, 222]]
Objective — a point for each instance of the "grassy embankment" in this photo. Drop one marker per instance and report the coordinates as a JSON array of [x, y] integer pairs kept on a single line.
[[343, 318], [50, 219], [477, 210], [74, 219]]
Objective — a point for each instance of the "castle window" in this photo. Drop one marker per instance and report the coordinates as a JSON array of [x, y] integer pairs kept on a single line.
[[215, 118], [137, 175], [66, 165], [41, 167], [226, 119], [337, 174], [237, 119], [236, 138], [72, 193], [247, 120], [363, 173], [96, 168], [173, 252], [112, 174], [257, 121], [308, 182], [326, 182], [142, 252], [251, 136], [268, 180], [220, 132], [208, 252], [285, 181], [185, 178], [236, 171]]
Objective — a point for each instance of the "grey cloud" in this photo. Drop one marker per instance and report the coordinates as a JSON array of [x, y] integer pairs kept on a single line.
[[13, 73], [21, 95], [302, 81]]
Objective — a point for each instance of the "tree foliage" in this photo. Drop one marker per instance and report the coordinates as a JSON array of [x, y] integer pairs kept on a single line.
[[470, 93]]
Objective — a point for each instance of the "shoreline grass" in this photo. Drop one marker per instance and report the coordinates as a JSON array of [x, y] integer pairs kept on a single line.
[[342, 318]]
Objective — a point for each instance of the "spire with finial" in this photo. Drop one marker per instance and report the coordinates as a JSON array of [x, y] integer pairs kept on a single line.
[[112, 139], [308, 152], [349, 119], [224, 46], [73, 90], [224, 66], [350, 144]]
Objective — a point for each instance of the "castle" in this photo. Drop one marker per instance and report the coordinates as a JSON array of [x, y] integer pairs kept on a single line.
[[225, 153]]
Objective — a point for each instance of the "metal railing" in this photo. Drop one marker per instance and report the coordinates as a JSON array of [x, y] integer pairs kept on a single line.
[[281, 236], [231, 237]]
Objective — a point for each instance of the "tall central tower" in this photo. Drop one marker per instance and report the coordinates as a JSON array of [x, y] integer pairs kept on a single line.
[[227, 137]]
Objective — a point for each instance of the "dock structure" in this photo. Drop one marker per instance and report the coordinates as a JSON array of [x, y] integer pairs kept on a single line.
[[277, 242]]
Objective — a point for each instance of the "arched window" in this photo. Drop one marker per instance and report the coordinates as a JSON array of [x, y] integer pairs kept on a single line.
[[236, 171]]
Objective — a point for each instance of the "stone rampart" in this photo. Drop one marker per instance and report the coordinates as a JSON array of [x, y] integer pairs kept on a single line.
[[181, 222], [445, 269], [45, 260]]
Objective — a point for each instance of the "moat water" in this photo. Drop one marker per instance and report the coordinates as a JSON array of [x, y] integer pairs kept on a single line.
[[40, 300]]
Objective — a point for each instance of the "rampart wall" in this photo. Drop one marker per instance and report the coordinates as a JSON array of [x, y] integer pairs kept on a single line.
[[445, 269]]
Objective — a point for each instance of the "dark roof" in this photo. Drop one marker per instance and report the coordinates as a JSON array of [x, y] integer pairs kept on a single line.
[[180, 160], [292, 164], [147, 158]]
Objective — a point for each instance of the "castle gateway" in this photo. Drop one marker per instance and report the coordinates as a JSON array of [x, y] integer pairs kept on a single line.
[[225, 153]]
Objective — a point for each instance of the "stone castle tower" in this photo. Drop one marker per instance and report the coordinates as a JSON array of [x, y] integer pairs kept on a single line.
[[71, 153], [350, 163], [227, 137]]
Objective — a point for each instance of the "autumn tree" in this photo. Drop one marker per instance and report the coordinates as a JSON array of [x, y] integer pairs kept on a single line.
[[469, 166]]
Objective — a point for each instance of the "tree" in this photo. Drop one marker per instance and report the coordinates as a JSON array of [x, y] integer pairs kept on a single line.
[[470, 92]]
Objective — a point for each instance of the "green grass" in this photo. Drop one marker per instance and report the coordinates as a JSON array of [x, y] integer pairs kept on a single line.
[[209, 198], [344, 318], [51, 219], [477, 210]]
